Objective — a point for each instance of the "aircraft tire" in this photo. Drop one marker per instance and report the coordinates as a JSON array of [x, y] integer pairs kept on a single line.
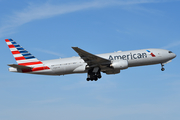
[[99, 76], [162, 69], [95, 78]]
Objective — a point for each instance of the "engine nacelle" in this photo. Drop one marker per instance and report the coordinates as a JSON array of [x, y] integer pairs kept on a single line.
[[119, 64]]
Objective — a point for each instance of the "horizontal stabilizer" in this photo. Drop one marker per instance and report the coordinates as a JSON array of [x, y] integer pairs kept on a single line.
[[19, 66]]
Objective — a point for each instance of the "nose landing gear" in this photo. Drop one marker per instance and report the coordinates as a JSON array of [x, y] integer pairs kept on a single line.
[[162, 67]]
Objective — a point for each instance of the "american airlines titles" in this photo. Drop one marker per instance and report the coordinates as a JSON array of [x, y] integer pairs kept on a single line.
[[129, 56]]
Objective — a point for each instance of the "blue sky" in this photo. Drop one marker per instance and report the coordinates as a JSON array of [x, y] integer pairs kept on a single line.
[[48, 29]]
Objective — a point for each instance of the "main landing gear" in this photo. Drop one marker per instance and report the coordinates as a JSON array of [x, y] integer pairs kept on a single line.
[[162, 67], [94, 74]]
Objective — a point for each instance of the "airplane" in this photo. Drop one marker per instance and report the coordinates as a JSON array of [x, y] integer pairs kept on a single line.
[[93, 65]]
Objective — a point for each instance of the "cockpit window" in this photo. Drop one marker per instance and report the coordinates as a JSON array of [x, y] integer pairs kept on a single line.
[[170, 52]]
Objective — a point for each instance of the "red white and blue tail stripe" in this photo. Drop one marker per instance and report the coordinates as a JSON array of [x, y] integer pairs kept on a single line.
[[24, 58]]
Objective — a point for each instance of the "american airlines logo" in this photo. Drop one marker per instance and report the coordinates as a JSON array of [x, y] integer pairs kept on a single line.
[[128, 56], [152, 54]]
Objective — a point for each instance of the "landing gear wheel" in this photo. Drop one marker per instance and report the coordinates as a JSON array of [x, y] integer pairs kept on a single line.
[[88, 79], [99, 76], [95, 78], [162, 69]]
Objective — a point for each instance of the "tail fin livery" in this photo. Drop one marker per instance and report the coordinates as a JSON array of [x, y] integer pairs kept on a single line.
[[22, 56]]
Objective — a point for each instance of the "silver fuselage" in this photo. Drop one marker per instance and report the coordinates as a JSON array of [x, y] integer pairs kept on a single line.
[[135, 58]]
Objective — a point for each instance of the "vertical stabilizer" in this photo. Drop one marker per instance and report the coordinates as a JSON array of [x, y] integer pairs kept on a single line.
[[22, 56]]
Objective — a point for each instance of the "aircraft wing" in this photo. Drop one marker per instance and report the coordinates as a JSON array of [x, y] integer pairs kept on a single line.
[[90, 59], [19, 66]]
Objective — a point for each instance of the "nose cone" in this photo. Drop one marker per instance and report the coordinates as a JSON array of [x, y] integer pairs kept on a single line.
[[173, 55]]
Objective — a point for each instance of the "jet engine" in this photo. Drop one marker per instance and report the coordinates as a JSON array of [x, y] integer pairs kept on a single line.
[[119, 64]]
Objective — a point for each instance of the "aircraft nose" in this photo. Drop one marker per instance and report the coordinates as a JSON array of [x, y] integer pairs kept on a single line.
[[174, 55], [171, 54]]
